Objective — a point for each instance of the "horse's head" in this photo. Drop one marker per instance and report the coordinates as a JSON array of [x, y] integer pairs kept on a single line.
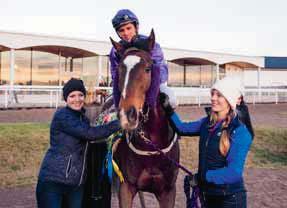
[[134, 81]]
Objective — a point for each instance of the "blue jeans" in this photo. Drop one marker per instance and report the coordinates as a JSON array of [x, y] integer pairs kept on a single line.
[[237, 200], [52, 195]]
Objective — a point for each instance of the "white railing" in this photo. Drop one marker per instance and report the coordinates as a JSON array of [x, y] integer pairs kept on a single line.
[[51, 96], [30, 96], [197, 95]]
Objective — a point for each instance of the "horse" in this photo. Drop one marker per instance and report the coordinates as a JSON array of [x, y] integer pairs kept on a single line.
[[142, 158]]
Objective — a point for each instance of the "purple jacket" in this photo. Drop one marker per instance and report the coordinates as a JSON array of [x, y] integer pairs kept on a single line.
[[159, 74]]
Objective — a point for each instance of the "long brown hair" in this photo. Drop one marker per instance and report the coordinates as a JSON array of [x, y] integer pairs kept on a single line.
[[224, 143]]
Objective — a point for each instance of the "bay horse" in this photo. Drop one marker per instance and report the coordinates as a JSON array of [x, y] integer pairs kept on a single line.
[[149, 138]]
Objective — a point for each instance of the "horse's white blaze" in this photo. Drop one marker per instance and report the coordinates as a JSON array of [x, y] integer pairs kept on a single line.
[[130, 62]]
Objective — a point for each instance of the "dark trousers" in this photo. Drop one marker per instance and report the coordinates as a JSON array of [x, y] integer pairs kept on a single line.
[[237, 200], [97, 187], [52, 195]]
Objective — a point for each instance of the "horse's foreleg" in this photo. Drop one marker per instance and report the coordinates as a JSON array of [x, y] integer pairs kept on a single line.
[[166, 199], [126, 195]]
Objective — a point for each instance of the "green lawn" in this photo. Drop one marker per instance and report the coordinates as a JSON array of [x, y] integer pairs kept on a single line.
[[23, 146], [270, 147]]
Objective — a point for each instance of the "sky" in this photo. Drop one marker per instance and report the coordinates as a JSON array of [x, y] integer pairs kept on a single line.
[[245, 27]]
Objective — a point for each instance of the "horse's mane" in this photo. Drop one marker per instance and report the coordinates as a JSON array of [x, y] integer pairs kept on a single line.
[[152, 93]]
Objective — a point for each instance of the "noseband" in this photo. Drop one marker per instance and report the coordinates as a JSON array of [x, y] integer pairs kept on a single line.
[[140, 132]]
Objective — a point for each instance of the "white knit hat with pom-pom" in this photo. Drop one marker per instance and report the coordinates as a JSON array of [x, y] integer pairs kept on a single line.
[[231, 88]]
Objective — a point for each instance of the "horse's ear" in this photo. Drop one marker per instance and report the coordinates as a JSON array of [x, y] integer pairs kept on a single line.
[[116, 45], [151, 40]]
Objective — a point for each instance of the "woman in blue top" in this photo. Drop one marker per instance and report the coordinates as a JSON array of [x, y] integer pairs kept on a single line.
[[63, 170], [126, 25], [223, 145]]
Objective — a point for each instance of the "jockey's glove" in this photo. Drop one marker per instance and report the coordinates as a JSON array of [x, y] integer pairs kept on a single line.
[[164, 102]]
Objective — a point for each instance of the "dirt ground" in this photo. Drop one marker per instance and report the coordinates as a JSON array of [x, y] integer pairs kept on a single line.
[[272, 115], [266, 187]]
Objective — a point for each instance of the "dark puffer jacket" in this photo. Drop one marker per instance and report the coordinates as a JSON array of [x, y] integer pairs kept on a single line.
[[70, 132]]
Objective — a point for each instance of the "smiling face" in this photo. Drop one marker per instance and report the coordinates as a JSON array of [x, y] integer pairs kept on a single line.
[[219, 104], [75, 100], [127, 32]]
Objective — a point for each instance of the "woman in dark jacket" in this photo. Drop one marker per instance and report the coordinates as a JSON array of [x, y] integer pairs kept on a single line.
[[223, 146], [63, 170]]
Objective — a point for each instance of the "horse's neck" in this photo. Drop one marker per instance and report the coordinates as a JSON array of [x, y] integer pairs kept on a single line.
[[157, 125]]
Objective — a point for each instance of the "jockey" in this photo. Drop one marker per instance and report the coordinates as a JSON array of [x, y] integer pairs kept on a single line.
[[126, 25]]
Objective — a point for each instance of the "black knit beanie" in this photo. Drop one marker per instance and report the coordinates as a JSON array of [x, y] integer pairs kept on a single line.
[[73, 85]]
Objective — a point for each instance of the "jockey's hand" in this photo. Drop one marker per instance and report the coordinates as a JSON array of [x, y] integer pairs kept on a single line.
[[164, 102]]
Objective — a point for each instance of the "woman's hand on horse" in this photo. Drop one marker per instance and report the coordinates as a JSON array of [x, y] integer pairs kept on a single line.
[[190, 181], [164, 102]]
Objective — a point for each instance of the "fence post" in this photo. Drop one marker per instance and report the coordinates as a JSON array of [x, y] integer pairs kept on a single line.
[[276, 96], [260, 95], [6, 97], [51, 98], [199, 98], [57, 98]]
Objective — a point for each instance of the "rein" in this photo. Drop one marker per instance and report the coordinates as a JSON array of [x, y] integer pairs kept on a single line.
[[191, 199], [163, 152], [157, 150]]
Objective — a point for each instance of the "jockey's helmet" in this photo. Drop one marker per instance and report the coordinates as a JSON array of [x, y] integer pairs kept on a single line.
[[124, 16]]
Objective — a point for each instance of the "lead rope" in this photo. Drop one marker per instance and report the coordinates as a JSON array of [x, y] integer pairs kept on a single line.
[[192, 200]]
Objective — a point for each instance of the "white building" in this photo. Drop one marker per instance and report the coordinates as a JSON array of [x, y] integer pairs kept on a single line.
[[41, 60]]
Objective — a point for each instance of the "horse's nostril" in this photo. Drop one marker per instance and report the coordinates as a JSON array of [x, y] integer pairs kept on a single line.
[[132, 114]]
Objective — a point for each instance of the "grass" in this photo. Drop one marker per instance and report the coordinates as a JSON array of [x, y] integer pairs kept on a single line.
[[270, 147], [22, 147], [268, 150]]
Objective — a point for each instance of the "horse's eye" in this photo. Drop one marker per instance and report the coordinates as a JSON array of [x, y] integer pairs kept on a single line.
[[147, 70]]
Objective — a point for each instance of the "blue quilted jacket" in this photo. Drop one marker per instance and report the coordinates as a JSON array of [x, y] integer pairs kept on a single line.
[[218, 175], [70, 132]]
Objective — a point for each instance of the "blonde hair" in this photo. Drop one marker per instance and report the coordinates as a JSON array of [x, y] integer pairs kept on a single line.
[[224, 143]]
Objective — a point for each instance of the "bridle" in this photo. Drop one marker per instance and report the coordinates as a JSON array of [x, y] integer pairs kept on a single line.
[[133, 50], [144, 116], [140, 132]]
